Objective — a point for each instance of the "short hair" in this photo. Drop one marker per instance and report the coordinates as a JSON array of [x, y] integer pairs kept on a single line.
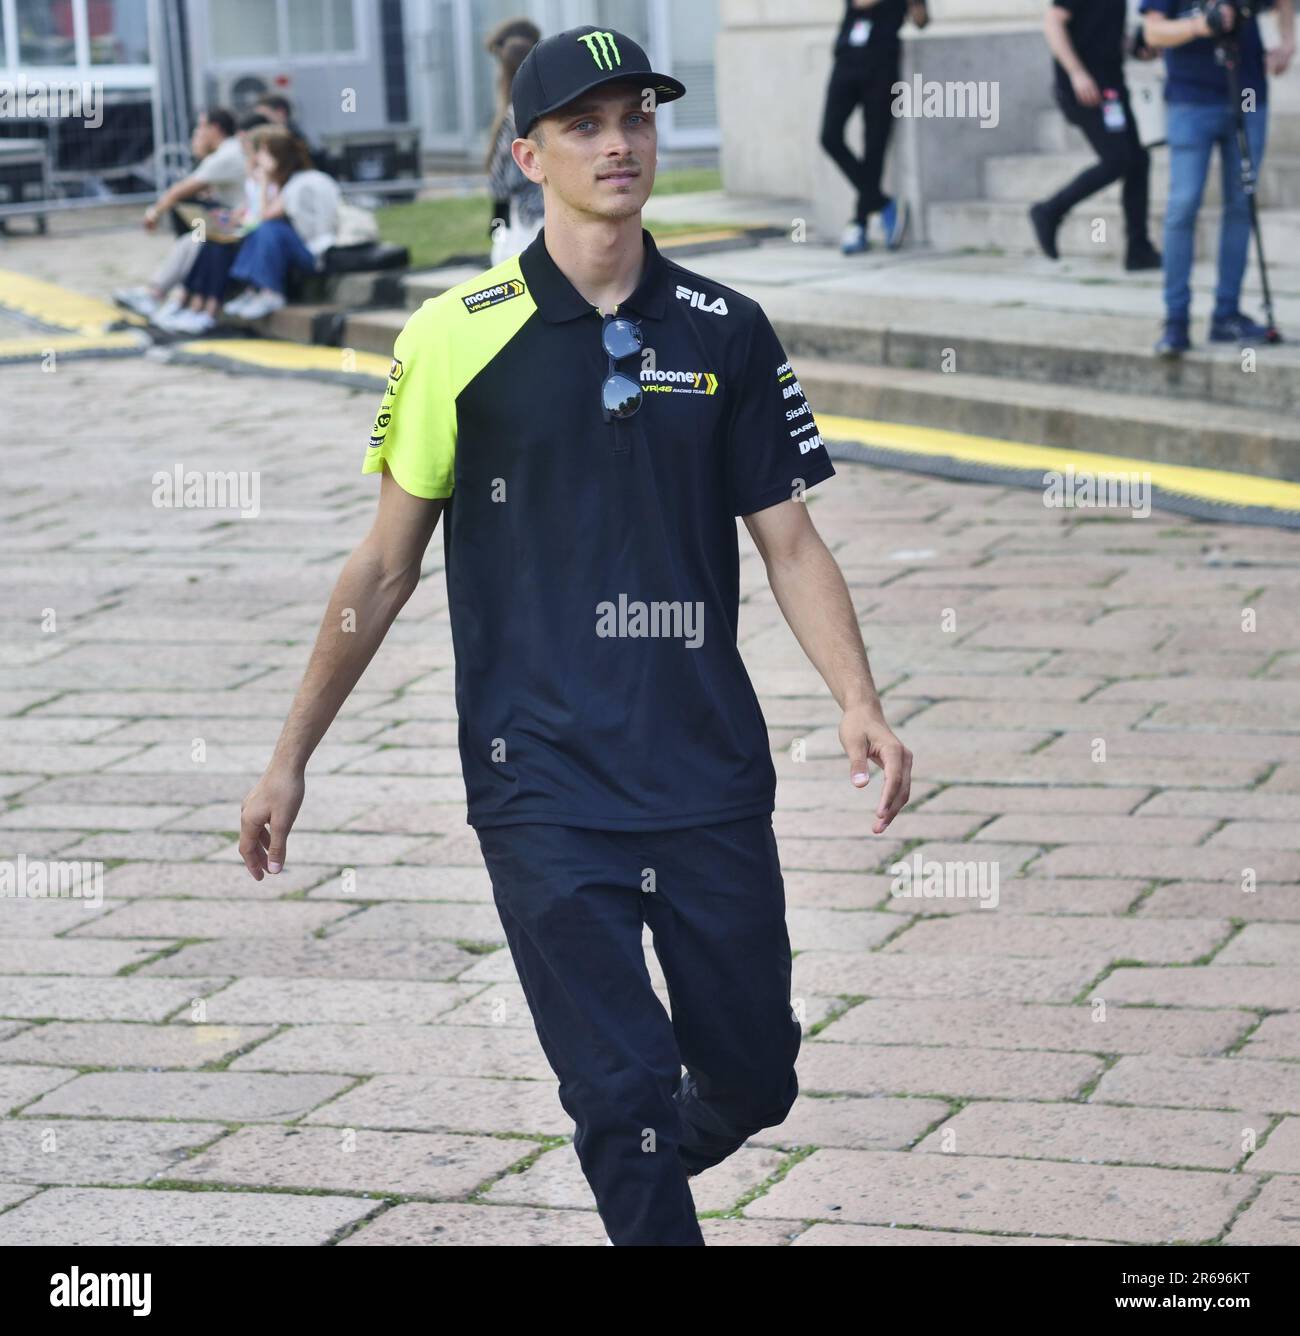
[[222, 119], [274, 101], [252, 119]]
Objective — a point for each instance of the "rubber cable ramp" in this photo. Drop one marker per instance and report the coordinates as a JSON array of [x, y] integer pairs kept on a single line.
[[1201, 493]]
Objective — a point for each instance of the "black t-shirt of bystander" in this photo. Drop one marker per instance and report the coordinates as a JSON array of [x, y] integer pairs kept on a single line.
[[867, 35], [1096, 30]]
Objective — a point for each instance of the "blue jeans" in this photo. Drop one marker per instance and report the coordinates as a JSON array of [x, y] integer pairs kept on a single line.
[[574, 904], [268, 253], [1194, 130]]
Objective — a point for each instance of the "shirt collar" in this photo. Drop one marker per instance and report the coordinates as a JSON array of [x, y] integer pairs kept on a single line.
[[558, 300]]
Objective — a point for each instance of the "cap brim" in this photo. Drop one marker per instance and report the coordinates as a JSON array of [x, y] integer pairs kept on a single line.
[[666, 88]]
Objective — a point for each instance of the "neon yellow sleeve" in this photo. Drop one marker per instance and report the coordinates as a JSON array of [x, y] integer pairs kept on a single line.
[[415, 428]]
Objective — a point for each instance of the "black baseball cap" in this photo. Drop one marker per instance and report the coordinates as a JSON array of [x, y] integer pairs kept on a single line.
[[570, 63]]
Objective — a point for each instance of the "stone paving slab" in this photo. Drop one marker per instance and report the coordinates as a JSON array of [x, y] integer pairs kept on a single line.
[[1093, 1134], [967, 1073], [227, 1095], [377, 1047], [98, 1150], [406, 1163], [449, 1103], [65, 997], [109, 1044], [1120, 1204], [127, 1217], [1025, 1026], [316, 958]]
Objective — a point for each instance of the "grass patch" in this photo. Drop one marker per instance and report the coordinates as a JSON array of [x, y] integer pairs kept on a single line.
[[436, 231]]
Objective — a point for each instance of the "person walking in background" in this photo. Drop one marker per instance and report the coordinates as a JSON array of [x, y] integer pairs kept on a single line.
[[517, 208], [867, 56], [298, 225], [1200, 117], [1087, 39]]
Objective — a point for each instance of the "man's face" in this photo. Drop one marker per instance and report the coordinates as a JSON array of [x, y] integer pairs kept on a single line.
[[272, 114], [203, 140], [598, 154]]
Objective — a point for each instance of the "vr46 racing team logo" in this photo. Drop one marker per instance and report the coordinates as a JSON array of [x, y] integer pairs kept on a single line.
[[485, 297], [678, 382], [603, 48]]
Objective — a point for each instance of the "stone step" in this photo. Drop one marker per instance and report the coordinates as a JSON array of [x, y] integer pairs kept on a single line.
[[1055, 134], [1003, 225], [1191, 432], [1062, 350], [373, 331], [1031, 176]]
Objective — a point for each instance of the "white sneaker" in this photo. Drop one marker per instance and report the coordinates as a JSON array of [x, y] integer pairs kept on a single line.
[[235, 306], [191, 322], [139, 301], [166, 313], [263, 305]]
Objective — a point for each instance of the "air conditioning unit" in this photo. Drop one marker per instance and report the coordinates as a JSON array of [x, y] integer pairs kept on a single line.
[[238, 92]]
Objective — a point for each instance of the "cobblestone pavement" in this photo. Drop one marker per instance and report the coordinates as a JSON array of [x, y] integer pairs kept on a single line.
[[1105, 713]]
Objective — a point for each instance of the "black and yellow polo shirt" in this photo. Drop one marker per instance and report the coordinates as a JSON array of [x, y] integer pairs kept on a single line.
[[592, 566]]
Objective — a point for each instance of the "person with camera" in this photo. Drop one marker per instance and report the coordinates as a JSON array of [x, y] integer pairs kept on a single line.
[[1198, 39], [868, 56], [1086, 37]]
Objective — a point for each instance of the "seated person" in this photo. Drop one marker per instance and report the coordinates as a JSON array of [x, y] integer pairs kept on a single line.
[[298, 225]]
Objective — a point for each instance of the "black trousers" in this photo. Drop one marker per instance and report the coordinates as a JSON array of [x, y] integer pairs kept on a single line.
[[574, 904], [1119, 153], [854, 84]]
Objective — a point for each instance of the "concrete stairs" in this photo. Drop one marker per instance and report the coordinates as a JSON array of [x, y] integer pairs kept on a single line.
[[998, 220]]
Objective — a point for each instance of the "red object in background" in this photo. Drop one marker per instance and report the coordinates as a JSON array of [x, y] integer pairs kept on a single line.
[[99, 17]]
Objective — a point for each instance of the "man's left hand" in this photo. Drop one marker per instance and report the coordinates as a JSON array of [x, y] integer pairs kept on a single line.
[[1279, 58], [866, 737]]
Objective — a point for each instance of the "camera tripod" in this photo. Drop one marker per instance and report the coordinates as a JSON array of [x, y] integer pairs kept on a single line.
[[1228, 53]]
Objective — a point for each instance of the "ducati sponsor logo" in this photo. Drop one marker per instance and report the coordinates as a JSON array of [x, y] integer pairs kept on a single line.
[[493, 296], [700, 302]]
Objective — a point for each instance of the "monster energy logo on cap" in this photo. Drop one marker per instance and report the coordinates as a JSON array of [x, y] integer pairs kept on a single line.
[[603, 48]]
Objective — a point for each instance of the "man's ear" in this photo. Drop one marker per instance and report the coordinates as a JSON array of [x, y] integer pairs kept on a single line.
[[526, 159]]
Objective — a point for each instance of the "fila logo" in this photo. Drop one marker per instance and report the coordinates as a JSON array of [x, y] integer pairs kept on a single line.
[[603, 48], [696, 299]]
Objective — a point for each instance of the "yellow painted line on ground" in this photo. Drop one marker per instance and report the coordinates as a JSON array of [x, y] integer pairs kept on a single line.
[[38, 345], [690, 238], [53, 305], [278, 355], [1236, 489]]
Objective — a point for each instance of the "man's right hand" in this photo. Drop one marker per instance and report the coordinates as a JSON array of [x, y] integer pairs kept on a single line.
[[265, 819], [1086, 91], [1227, 16]]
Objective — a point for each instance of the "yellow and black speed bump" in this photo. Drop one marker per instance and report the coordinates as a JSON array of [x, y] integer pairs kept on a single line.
[[50, 306], [39, 347], [1209, 494], [297, 361]]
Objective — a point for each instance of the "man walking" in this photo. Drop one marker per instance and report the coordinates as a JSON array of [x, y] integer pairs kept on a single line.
[[1196, 38], [868, 55], [1086, 38], [592, 418]]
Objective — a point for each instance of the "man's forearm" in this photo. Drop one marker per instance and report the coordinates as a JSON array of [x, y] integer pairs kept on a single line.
[[810, 590], [367, 597], [1056, 30], [1161, 31], [1285, 10]]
